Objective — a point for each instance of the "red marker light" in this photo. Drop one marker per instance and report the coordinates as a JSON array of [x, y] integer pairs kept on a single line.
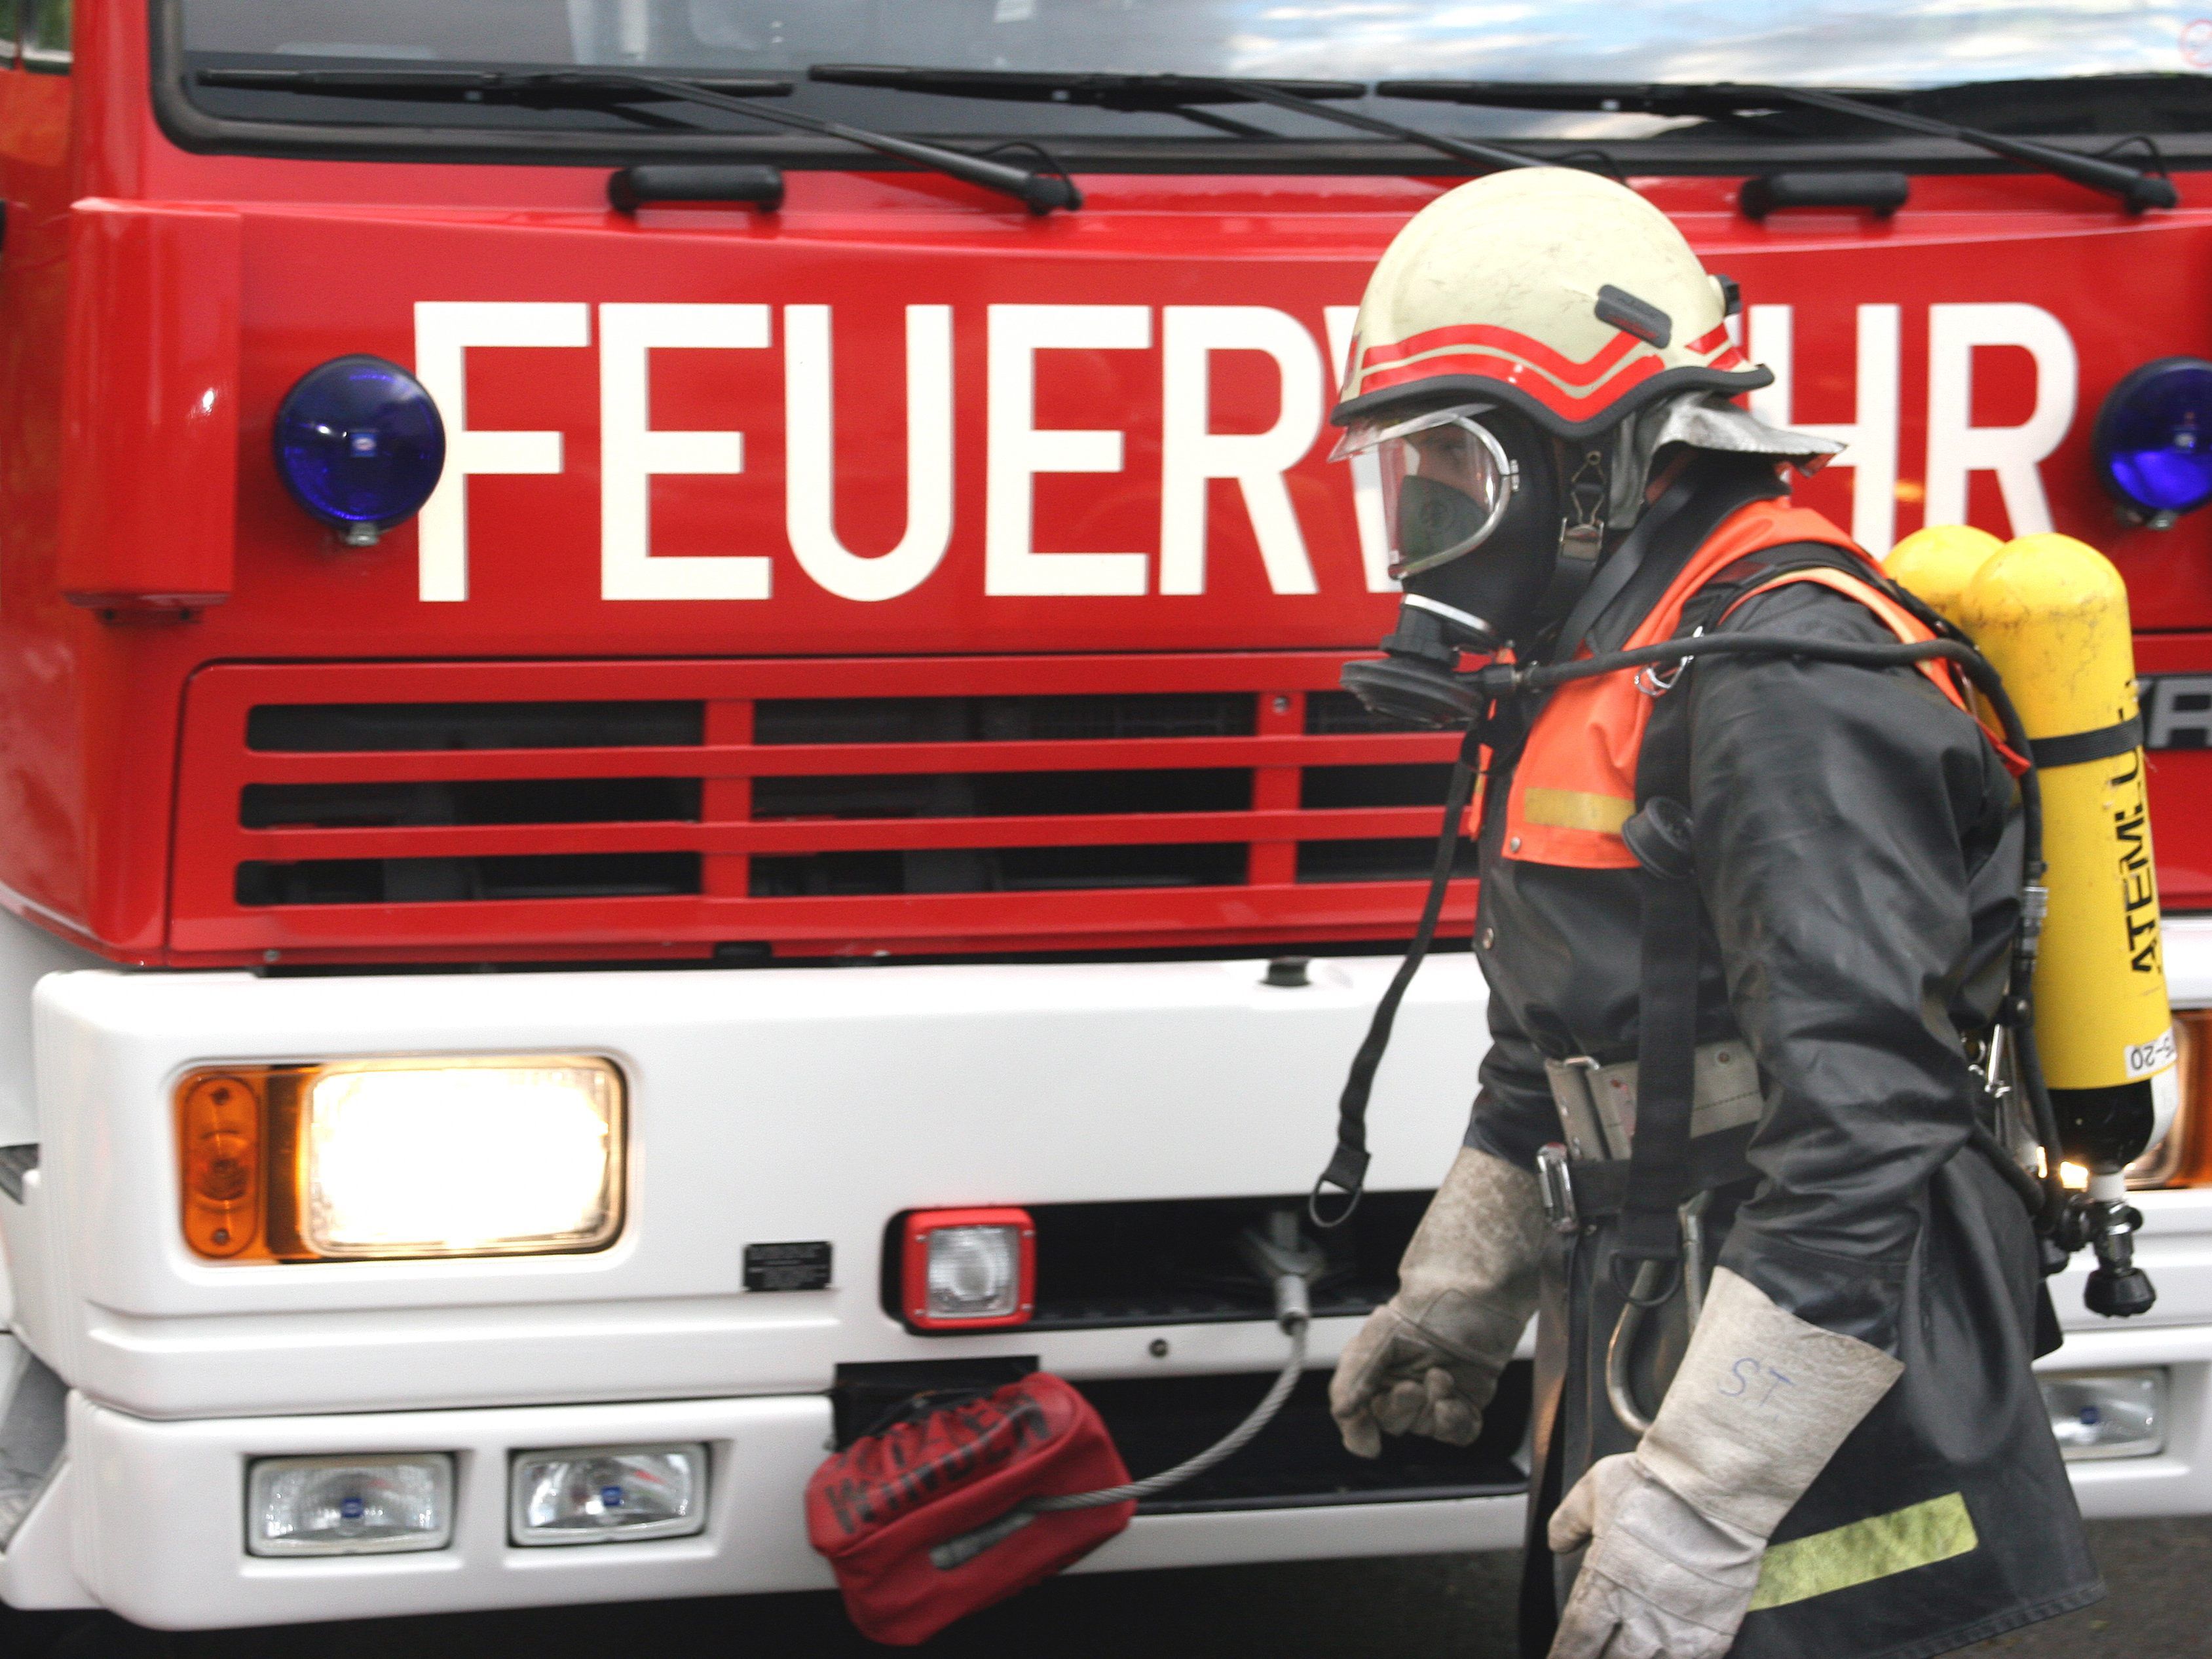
[[968, 1270]]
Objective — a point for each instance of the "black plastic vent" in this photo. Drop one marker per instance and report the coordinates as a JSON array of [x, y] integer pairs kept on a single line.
[[1379, 860], [998, 870], [1005, 720], [1334, 713], [1002, 795], [508, 800], [1323, 786], [377, 727], [436, 880], [1297, 1462]]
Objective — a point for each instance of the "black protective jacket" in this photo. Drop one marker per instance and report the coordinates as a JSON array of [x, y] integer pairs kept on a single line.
[[1857, 852]]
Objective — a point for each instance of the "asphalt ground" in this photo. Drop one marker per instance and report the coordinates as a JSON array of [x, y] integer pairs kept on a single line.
[[1461, 1606]]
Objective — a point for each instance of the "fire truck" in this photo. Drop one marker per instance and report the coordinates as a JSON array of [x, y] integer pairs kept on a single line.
[[671, 758]]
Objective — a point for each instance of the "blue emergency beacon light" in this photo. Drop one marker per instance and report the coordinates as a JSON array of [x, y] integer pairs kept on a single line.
[[360, 445], [2153, 440]]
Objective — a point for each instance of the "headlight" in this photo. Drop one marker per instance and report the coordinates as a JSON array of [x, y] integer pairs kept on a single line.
[[359, 1159]]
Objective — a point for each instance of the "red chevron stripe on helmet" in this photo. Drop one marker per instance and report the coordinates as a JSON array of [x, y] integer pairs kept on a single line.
[[1542, 387]]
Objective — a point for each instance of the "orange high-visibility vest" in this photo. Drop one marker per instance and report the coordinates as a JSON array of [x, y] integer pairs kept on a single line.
[[1576, 783]]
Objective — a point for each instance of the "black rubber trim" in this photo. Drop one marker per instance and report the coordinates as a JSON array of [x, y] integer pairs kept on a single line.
[[1329, 1500], [715, 181], [1878, 192], [2076, 747]]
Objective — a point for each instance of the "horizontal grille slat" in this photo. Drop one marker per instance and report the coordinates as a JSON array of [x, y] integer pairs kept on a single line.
[[800, 835], [1180, 918], [824, 760], [975, 804]]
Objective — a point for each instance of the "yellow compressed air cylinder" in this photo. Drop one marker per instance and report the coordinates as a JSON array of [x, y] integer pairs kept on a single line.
[[1938, 563], [2052, 614]]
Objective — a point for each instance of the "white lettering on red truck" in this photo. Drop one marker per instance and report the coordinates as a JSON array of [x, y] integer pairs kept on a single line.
[[1020, 340]]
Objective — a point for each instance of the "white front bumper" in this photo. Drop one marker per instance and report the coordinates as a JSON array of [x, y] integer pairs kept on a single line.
[[766, 1106]]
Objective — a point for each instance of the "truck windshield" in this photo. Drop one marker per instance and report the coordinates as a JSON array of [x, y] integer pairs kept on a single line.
[[2052, 66]]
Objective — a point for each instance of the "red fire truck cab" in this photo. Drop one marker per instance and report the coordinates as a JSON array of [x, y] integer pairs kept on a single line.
[[822, 854]]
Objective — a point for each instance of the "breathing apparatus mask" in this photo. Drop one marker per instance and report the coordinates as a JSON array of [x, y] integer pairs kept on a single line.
[[1494, 526]]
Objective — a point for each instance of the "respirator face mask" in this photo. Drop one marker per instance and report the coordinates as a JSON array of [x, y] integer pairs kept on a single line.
[[1471, 504]]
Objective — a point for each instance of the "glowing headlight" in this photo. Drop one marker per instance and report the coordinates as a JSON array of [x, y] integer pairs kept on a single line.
[[443, 1160], [511, 1155]]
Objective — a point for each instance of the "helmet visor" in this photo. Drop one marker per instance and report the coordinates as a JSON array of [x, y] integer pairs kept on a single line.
[[1446, 481]]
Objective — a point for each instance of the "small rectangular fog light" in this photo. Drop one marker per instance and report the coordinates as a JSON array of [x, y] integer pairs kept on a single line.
[[967, 1270], [2099, 1415], [376, 1505], [608, 1494]]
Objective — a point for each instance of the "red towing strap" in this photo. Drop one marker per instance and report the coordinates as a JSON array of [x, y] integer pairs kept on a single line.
[[923, 1521]]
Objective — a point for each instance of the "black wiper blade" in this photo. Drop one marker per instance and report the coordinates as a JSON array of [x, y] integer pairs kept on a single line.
[[1039, 192], [1177, 94], [570, 87], [1159, 94], [1720, 99], [1100, 89]]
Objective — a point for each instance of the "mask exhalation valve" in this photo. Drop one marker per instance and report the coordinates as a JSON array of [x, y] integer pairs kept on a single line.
[[1416, 684]]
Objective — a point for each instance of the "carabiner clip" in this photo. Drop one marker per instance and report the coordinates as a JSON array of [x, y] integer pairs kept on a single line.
[[1653, 683]]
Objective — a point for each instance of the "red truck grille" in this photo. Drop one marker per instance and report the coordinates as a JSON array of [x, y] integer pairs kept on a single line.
[[364, 812]]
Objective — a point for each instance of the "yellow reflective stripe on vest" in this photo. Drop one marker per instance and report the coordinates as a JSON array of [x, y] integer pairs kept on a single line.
[[1570, 809], [1864, 1551]]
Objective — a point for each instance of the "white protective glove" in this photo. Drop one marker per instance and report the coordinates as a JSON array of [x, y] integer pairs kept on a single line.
[[1426, 1361], [1677, 1527]]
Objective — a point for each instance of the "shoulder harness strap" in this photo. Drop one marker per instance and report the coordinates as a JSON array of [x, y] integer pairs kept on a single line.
[[1672, 931]]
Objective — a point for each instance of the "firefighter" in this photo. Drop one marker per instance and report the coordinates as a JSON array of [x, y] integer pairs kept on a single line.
[[1793, 1415]]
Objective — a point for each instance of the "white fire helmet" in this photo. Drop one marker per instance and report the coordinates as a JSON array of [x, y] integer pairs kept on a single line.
[[1549, 290]]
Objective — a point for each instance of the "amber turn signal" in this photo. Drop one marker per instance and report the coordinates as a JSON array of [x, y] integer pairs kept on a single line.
[[219, 1136]]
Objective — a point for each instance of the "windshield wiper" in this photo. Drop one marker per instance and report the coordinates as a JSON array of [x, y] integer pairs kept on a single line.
[[1170, 94], [598, 89], [560, 89], [1159, 94], [1719, 99]]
